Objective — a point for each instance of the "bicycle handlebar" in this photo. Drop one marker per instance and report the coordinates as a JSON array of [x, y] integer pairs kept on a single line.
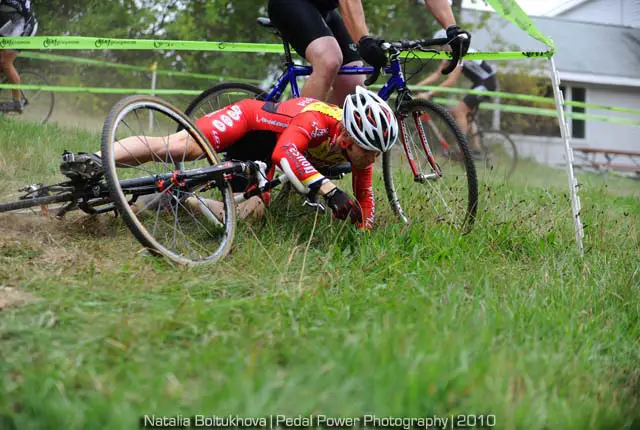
[[405, 45]]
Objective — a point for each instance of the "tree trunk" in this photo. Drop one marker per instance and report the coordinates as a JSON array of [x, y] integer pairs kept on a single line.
[[457, 8]]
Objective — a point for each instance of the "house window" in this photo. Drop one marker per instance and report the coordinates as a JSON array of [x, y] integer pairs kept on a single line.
[[578, 94]]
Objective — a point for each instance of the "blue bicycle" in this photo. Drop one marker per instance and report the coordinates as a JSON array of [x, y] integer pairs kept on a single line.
[[434, 146]]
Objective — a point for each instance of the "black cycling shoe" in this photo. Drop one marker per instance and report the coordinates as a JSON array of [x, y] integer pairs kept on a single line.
[[13, 106], [81, 166]]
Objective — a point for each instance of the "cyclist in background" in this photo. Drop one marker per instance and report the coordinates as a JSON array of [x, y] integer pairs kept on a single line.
[[325, 38], [483, 78], [301, 134], [16, 20]]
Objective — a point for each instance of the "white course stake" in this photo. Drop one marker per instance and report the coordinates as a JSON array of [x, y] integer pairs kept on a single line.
[[154, 75], [564, 132]]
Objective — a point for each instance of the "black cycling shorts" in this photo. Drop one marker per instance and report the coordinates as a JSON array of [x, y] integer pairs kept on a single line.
[[474, 100], [301, 22], [256, 145]]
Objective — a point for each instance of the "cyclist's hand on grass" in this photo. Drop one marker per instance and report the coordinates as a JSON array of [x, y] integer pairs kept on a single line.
[[343, 206], [371, 51], [457, 40]]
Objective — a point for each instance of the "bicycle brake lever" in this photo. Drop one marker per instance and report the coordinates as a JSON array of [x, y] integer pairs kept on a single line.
[[314, 205]]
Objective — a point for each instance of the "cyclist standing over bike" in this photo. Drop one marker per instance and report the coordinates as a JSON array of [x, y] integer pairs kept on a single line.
[[301, 134], [483, 78], [16, 20], [325, 38]]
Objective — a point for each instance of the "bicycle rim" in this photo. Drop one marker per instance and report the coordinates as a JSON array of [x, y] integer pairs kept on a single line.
[[188, 224], [219, 96], [435, 180], [500, 157]]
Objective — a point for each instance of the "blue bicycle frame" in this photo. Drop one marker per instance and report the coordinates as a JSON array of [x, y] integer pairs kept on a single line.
[[395, 83]]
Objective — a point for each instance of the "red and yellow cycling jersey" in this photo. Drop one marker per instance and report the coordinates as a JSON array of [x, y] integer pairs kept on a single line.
[[306, 131]]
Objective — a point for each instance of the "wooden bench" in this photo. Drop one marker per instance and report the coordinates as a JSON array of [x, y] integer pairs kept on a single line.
[[587, 156]]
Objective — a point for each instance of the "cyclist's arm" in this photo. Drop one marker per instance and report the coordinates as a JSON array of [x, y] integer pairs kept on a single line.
[[451, 80], [288, 155], [441, 11], [362, 182], [433, 77], [353, 17]]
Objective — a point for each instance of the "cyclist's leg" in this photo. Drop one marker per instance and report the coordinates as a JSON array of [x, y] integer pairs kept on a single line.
[[136, 150], [7, 57], [344, 84], [461, 112], [254, 206], [304, 26], [473, 129]]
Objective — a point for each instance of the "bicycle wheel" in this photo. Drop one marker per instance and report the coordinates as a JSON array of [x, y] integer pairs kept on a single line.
[[38, 103], [442, 176], [500, 156], [190, 224], [220, 96]]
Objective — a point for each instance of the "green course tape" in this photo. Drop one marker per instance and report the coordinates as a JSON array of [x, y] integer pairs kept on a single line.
[[510, 10], [444, 101], [95, 90], [543, 112], [525, 97], [91, 62], [492, 106], [81, 43]]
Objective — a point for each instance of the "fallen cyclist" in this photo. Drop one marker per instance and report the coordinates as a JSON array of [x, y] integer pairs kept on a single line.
[[297, 135]]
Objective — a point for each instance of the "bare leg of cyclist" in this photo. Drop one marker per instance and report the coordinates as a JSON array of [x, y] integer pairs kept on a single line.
[[460, 113], [344, 85], [326, 58], [475, 136], [253, 206], [7, 57], [136, 150]]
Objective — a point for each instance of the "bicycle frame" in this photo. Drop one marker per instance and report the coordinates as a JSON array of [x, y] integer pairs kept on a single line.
[[395, 83]]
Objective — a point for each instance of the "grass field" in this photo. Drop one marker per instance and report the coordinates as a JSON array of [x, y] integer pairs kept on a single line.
[[403, 321]]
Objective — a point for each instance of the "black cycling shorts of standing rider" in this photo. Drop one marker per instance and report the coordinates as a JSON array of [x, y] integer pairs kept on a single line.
[[302, 21], [483, 78]]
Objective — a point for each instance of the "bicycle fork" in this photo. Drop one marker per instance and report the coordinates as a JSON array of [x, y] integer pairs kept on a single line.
[[417, 175]]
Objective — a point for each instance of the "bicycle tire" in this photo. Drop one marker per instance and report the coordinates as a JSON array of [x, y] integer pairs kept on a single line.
[[508, 151], [31, 77], [418, 107], [217, 91], [36, 201], [116, 115]]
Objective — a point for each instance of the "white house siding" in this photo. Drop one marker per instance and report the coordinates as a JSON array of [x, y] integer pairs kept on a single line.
[[613, 135], [618, 12]]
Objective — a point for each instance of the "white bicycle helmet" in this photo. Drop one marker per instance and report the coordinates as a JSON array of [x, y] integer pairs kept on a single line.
[[369, 120]]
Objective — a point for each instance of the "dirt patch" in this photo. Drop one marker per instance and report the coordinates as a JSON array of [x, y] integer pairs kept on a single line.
[[11, 298]]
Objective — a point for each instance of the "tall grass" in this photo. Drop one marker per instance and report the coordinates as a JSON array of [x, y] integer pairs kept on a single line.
[[404, 320]]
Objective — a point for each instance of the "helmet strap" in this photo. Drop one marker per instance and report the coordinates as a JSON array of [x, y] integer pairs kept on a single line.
[[344, 143]]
